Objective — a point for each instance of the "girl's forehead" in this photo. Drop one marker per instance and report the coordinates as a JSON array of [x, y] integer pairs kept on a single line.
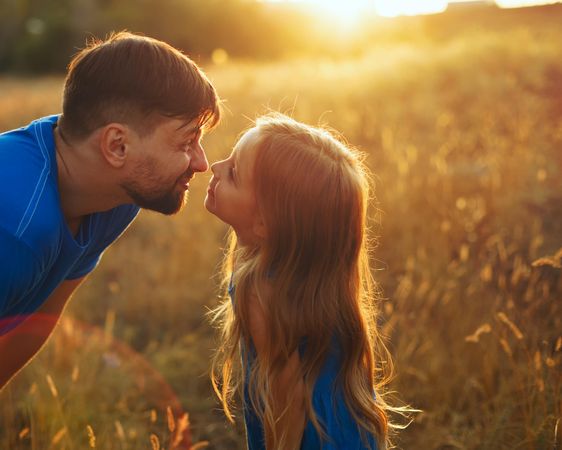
[[248, 139], [243, 155], [244, 149]]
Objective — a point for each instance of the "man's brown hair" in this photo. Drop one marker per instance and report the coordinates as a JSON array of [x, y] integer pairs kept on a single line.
[[134, 79]]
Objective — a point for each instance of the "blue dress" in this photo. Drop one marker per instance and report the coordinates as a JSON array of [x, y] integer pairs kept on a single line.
[[329, 405]]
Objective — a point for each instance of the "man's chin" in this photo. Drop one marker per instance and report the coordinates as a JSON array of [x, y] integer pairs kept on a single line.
[[168, 205], [175, 207]]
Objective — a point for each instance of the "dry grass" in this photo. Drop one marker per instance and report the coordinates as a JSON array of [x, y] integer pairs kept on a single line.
[[465, 139]]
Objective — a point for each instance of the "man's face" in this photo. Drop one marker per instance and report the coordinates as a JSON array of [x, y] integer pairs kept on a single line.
[[163, 163]]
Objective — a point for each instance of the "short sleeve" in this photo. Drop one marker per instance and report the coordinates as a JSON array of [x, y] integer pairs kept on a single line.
[[85, 268], [19, 272], [107, 228]]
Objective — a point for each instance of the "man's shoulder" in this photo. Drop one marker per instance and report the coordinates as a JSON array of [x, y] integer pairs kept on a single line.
[[31, 147], [27, 184], [30, 134]]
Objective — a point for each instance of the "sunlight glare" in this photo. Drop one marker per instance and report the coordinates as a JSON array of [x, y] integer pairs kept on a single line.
[[348, 12], [409, 7], [520, 3], [345, 9]]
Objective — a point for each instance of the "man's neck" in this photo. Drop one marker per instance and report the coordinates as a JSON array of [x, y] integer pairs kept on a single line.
[[83, 188]]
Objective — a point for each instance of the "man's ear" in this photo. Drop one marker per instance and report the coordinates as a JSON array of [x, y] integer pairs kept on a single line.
[[114, 143]]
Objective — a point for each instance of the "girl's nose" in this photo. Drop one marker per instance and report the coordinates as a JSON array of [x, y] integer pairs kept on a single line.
[[217, 167]]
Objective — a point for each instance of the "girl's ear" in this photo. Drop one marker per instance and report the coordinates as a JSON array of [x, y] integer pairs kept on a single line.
[[114, 143], [259, 227]]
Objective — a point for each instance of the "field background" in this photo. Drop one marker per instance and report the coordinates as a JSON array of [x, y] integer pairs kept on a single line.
[[461, 117]]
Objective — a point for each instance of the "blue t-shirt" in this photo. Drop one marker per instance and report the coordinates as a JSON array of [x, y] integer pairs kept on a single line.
[[37, 249], [328, 401]]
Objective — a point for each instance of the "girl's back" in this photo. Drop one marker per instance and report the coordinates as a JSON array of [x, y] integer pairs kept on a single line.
[[328, 400], [329, 405], [304, 309]]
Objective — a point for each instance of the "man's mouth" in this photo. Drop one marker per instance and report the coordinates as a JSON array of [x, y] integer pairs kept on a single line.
[[184, 182]]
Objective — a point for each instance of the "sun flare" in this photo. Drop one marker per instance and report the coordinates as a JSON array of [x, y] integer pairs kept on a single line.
[[521, 3], [349, 11], [344, 9], [409, 7]]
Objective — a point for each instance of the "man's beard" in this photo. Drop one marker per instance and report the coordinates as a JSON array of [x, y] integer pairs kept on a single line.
[[169, 201]]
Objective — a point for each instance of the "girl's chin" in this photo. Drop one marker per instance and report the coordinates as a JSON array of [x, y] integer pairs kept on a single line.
[[209, 201], [210, 207]]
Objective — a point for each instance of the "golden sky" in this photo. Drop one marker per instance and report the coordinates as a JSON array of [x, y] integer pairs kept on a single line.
[[349, 9]]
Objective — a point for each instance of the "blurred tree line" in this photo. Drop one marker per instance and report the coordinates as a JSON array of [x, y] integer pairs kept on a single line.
[[40, 35]]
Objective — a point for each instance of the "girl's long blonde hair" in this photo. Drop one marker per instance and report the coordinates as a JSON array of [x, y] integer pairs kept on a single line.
[[312, 192]]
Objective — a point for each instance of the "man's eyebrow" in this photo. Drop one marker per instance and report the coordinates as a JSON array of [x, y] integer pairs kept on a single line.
[[194, 129], [191, 133]]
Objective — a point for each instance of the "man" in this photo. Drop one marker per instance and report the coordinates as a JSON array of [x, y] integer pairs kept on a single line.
[[134, 110]]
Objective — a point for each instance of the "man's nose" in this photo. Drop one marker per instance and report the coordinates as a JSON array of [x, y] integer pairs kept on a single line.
[[199, 161]]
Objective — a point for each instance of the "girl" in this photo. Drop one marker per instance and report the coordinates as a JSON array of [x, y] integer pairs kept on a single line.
[[302, 304]]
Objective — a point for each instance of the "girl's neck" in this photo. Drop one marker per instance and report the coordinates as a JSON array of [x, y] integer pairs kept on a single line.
[[248, 242]]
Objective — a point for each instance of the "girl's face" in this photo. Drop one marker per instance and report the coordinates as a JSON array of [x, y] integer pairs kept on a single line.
[[230, 195]]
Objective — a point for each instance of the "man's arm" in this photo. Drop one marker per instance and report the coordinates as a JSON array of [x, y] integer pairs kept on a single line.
[[19, 345]]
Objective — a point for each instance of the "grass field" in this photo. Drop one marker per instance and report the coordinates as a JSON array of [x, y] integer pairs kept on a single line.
[[464, 135]]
